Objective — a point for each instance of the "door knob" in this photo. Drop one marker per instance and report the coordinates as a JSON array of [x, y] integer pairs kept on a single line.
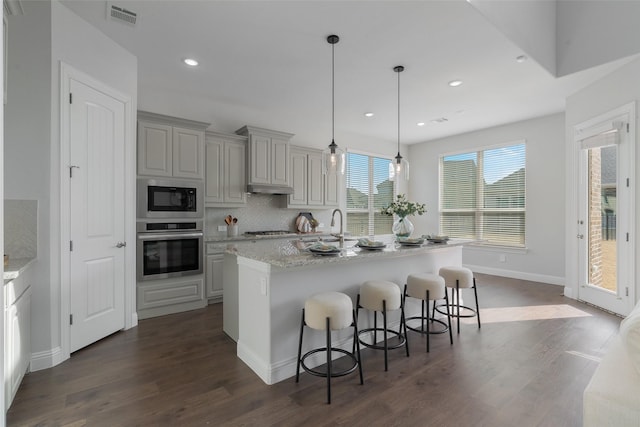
[[580, 236], [121, 244]]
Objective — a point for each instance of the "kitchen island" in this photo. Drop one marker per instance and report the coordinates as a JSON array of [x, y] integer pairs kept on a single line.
[[272, 280]]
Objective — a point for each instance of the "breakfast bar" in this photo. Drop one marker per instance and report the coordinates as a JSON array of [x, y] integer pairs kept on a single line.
[[274, 278]]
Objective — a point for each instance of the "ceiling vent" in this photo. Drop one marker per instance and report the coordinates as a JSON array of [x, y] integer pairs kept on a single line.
[[120, 14]]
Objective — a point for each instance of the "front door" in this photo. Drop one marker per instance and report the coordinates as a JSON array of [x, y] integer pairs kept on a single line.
[[96, 168], [605, 151]]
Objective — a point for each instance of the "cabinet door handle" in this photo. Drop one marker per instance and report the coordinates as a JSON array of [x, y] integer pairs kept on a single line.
[[121, 244]]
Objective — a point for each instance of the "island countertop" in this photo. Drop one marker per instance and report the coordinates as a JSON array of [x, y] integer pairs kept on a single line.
[[291, 253]]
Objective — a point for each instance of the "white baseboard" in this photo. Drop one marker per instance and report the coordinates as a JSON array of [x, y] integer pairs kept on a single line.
[[542, 278], [46, 359]]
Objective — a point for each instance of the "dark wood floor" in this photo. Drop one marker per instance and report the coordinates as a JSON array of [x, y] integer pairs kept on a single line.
[[527, 366]]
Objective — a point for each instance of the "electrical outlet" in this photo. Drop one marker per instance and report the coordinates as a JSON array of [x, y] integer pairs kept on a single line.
[[502, 258], [222, 228], [321, 225]]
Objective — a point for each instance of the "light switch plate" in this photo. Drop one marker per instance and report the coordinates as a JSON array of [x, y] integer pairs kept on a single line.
[[222, 228]]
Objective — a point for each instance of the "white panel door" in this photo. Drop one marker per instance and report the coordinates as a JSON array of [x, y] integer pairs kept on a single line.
[[97, 277]]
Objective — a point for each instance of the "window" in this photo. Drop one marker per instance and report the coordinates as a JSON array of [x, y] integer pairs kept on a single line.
[[482, 195], [368, 191]]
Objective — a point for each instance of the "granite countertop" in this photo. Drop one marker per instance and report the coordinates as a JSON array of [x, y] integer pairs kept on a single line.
[[294, 253], [16, 267], [222, 238]]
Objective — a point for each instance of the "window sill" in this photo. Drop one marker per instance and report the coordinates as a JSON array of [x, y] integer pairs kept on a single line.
[[496, 248]]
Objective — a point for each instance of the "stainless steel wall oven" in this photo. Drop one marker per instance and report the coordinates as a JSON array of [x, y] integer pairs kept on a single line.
[[169, 249]]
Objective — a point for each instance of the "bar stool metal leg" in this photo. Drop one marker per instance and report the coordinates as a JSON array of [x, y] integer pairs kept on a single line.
[[328, 361], [300, 347], [475, 291]]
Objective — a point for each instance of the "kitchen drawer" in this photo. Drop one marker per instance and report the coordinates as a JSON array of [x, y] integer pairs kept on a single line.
[[216, 248], [157, 298]]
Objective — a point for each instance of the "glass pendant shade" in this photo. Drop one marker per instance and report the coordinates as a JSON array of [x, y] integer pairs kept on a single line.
[[333, 159], [399, 167]]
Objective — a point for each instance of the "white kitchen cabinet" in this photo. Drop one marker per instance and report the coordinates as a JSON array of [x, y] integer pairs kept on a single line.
[[225, 173], [214, 270], [332, 183], [17, 357], [307, 178], [267, 157], [169, 146]]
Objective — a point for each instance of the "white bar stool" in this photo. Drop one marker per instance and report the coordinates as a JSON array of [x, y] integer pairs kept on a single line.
[[329, 311], [382, 296], [428, 287], [458, 278]]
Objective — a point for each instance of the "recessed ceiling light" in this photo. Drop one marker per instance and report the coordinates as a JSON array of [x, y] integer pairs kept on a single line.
[[368, 114], [190, 62], [455, 83], [420, 123], [521, 58]]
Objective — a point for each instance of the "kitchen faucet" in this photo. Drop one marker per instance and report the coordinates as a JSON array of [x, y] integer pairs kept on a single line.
[[333, 222]]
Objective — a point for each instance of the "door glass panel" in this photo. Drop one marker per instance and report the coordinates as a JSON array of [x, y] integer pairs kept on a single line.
[[602, 191]]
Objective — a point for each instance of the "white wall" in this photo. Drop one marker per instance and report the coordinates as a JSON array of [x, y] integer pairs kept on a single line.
[[591, 33], [544, 257], [27, 142], [617, 89], [47, 34]]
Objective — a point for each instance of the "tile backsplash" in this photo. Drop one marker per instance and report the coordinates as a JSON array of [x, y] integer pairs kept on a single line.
[[21, 228], [263, 212]]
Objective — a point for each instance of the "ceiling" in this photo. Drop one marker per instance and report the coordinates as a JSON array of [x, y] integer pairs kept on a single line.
[[268, 64]]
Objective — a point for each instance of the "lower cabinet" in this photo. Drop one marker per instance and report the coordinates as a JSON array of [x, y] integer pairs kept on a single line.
[[17, 335], [168, 296], [214, 277]]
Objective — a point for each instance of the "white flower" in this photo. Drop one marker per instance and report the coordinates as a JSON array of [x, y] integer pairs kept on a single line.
[[402, 207]]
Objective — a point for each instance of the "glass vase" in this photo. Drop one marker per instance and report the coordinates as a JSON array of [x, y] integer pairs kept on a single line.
[[402, 227]]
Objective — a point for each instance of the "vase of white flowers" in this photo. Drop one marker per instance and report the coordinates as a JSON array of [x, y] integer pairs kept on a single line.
[[402, 209]]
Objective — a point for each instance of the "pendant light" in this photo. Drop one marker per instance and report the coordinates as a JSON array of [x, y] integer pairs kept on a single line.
[[399, 165], [333, 156]]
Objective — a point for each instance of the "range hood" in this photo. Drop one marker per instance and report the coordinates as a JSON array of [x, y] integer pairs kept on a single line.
[[268, 189]]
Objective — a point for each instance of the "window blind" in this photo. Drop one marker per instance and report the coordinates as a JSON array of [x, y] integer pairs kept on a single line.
[[482, 195], [368, 191]]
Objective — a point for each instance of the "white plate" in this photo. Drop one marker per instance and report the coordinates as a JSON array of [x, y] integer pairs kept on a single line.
[[325, 253], [438, 240], [410, 241], [371, 248], [324, 250]]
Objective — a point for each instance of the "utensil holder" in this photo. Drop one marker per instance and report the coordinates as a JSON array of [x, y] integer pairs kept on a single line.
[[232, 230]]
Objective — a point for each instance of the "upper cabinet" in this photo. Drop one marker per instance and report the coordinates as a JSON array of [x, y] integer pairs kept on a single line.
[[267, 157], [225, 173], [311, 188], [169, 146], [306, 178]]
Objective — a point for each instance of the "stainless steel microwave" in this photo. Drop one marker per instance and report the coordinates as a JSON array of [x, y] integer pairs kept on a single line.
[[170, 198]]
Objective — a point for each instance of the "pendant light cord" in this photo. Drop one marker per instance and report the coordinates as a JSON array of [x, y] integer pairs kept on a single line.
[[333, 92], [399, 110]]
